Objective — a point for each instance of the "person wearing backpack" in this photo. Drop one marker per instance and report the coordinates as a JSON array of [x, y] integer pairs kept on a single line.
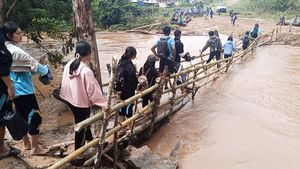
[[126, 80], [229, 48], [246, 40], [151, 73], [22, 69], [215, 45], [255, 31], [165, 50], [6, 92]]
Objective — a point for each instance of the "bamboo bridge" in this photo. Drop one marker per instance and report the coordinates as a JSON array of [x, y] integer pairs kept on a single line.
[[165, 103]]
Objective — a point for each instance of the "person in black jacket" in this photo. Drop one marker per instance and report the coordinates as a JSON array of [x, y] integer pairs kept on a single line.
[[6, 92], [130, 80], [151, 73]]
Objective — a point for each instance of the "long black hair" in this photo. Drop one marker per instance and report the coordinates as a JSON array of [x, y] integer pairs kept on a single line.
[[8, 29], [129, 53], [83, 49]]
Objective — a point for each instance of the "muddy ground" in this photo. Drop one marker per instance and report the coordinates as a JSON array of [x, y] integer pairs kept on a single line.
[[55, 130]]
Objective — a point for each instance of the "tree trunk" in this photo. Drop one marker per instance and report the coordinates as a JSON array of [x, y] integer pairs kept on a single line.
[[2, 12], [85, 31]]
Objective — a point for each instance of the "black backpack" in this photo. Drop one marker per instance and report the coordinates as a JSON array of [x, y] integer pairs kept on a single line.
[[214, 44], [162, 47], [119, 82], [254, 32], [246, 41]]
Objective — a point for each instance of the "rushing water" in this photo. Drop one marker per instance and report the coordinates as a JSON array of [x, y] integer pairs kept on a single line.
[[248, 119]]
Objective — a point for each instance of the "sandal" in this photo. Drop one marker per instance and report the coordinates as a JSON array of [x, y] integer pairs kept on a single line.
[[13, 152]]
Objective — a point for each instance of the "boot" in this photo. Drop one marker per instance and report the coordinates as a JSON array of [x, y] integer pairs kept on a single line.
[[35, 149]]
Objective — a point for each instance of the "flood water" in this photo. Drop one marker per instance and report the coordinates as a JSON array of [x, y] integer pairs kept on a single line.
[[248, 119]]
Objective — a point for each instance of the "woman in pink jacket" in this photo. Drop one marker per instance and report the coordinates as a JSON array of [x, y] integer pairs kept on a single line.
[[81, 90]]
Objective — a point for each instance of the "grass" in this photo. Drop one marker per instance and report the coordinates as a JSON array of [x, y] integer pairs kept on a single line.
[[246, 8]]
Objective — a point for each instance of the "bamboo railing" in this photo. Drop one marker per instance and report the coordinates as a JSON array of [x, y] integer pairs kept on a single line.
[[157, 106]]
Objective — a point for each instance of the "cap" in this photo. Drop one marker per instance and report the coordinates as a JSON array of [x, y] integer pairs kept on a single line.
[[152, 58]]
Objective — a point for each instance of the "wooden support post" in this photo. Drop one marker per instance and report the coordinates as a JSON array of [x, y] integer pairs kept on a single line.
[[157, 96], [115, 144], [97, 164]]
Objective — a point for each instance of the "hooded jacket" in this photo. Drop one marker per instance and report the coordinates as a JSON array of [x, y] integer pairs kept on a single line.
[[81, 89], [209, 43], [22, 61], [130, 77], [229, 47]]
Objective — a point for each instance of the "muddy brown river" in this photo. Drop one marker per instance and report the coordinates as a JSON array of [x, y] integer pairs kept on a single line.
[[248, 119]]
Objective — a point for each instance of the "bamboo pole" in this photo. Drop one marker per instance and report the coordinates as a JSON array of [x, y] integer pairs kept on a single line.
[[106, 114], [157, 98], [60, 145], [144, 126], [115, 145], [99, 116], [94, 142]]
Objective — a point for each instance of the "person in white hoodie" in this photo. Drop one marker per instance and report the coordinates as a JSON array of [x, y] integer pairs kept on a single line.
[[22, 68], [229, 48]]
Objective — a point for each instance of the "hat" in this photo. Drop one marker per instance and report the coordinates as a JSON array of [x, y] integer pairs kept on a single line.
[[152, 58]]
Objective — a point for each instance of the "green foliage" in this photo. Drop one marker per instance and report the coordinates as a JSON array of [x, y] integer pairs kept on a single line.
[[268, 9], [53, 17], [116, 12]]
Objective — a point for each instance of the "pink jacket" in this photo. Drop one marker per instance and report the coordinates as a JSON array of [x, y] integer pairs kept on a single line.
[[81, 89]]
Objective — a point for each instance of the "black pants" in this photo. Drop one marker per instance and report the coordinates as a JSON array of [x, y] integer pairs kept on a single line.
[[227, 56], [24, 106], [163, 62], [213, 54], [81, 114], [147, 99]]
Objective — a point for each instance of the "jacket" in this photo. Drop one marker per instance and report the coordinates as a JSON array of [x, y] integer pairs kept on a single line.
[[22, 61], [5, 64], [81, 89], [150, 72], [209, 44], [229, 47], [130, 77]]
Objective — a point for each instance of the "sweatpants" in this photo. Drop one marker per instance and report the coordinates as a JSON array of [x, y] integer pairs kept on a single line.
[[83, 135]]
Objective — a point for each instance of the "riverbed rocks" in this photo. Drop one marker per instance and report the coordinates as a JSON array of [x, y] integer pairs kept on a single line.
[[144, 158]]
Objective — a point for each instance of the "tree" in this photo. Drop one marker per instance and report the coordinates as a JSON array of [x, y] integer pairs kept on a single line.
[[85, 31]]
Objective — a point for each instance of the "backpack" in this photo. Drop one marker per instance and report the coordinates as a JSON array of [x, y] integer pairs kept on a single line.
[[214, 44], [254, 32], [119, 82], [143, 81], [246, 41], [162, 47]]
